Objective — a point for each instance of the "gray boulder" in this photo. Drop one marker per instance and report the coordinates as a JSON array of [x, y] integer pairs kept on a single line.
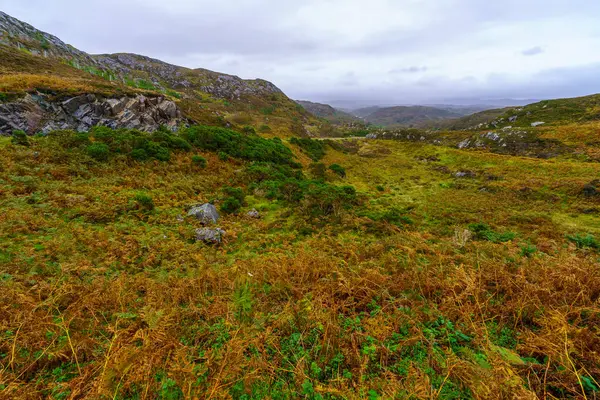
[[206, 213], [210, 235], [465, 174], [537, 123], [253, 214]]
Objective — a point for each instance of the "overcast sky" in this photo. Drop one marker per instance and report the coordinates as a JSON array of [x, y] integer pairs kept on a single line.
[[366, 51]]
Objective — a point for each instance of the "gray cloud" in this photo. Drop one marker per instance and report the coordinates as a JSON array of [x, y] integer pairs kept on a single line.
[[398, 51], [408, 70], [534, 51]]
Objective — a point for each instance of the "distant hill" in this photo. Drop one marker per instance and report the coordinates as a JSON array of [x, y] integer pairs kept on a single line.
[[406, 116], [327, 112], [546, 112]]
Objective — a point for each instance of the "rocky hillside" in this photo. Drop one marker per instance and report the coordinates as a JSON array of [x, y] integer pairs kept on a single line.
[[36, 63], [546, 112], [329, 113]]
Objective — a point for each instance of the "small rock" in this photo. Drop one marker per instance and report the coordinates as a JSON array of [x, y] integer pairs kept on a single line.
[[253, 214], [465, 174], [513, 118], [538, 123], [206, 213], [210, 235]]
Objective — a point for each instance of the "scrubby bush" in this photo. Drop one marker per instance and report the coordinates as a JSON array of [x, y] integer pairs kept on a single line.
[[323, 199], [144, 201], [338, 169], [380, 188], [483, 231], [249, 130], [20, 138], [235, 200], [237, 193], [231, 205], [583, 241], [98, 151], [234, 144], [139, 154], [394, 216], [199, 161], [223, 156], [313, 148]]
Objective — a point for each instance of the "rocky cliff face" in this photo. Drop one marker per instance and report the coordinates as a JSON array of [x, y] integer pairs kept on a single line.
[[38, 114]]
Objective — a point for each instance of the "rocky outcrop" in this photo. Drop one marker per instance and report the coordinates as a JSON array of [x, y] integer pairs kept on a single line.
[[39, 114]]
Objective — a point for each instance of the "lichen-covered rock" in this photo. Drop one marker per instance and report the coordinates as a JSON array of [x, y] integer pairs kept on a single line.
[[210, 235], [37, 113], [206, 213]]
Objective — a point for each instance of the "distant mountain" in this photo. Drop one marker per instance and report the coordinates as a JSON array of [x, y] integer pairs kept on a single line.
[[57, 70], [327, 112]]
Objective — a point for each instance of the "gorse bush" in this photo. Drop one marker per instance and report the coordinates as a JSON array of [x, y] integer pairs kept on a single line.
[[315, 149]]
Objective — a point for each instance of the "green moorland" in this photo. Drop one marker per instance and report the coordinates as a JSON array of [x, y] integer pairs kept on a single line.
[[378, 269]]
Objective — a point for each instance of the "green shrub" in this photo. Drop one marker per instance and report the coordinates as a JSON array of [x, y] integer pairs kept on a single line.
[[380, 188], [231, 205], [528, 250], [582, 241], [144, 201], [139, 154], [484, 232], [20, 138], [223, 156], [313, 148], [236, 193], [338, 169], [322, 199], [248, 147], [199, 161], [98, 151]]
